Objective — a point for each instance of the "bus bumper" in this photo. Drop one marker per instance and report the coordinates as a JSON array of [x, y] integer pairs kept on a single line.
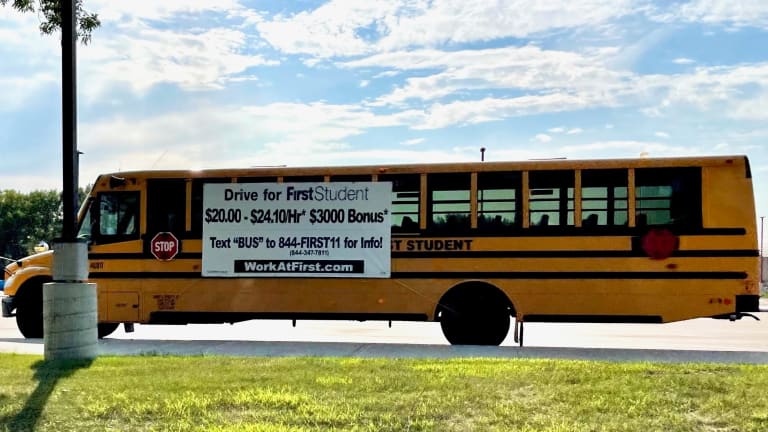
[[8, 306], [747, 303]]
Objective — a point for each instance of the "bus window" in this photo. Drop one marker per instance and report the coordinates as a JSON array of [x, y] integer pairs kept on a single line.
[[604, 197], [166, 206], [197, 199], [668, 196], [449, 204], [551, 198], [498, 200], [405, 201], [86, 225], [118, 217]]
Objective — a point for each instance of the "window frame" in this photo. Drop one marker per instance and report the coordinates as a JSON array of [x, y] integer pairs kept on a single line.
[[96, 235]]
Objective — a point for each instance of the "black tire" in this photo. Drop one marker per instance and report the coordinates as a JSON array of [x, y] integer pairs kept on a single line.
[[29, 317], [106, 329], [478, 320]]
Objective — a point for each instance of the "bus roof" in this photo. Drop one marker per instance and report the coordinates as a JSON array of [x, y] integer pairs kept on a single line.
[[548, 164]]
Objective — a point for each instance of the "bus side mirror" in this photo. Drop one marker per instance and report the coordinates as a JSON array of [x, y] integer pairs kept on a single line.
[[41, 247]]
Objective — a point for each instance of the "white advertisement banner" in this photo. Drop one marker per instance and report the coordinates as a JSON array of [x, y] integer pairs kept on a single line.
[[297, 229]]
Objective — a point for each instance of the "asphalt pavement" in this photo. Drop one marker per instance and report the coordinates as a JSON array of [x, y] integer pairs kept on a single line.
[[702, 340]]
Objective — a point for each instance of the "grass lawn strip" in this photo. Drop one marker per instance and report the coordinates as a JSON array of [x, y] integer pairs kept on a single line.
[[208, 393]]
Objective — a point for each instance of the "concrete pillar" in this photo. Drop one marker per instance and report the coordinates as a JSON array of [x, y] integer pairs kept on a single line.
[[70, 307]]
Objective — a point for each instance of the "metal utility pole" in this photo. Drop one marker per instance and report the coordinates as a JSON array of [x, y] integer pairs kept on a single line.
[[762, 251], [69, 302], [69, 117]]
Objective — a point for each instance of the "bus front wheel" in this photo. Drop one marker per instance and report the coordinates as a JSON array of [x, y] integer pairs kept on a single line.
[[106, 329], [29, 318], [475, 320]]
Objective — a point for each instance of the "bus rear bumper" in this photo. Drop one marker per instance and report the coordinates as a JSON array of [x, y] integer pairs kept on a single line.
[[744, 305], [748, 303], [8, 306]]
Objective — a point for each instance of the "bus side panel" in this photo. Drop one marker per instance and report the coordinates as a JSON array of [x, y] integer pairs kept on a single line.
[[667, 300], [728, 202], [290, 296]]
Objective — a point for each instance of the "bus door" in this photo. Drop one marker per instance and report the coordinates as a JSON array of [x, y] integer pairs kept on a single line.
[[112, 228]]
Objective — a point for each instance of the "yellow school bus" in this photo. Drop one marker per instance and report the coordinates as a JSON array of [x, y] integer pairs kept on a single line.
[[473, 246]]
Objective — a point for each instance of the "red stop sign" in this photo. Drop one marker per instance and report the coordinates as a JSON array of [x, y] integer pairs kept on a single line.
[[164, 246]]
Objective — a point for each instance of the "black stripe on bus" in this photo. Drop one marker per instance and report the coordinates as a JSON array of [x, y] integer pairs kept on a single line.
[[465, 275], [568, 231], [726, 253], [549, 231], [722, 253], [181, 317], [570, 275], [640, 319], [139, 256]]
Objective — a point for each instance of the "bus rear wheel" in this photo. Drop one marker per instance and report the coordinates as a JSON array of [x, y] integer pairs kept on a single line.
[[475, 320]]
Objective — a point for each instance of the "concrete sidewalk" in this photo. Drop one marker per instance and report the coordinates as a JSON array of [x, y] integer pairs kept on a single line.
[[121, 347]]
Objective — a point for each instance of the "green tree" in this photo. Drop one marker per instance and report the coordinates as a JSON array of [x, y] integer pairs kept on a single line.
[[11, 224], [50, 10], [26, 219]]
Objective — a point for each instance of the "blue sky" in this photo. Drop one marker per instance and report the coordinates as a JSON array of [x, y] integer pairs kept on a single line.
[[217, 83]]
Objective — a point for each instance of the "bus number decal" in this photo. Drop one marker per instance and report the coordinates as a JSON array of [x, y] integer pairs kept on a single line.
[[166, 301]]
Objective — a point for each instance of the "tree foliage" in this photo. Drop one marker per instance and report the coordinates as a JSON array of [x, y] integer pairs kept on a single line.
[[50, 14], [26, 219]]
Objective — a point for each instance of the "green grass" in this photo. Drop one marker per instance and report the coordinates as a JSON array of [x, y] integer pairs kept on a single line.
[[318, 394]]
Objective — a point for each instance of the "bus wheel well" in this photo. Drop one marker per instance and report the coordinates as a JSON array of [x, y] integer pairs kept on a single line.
[[473, 290]]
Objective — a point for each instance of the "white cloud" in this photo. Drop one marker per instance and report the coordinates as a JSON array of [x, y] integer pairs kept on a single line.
[[386, 74], [364, 83], [435, 23], [21, 81], [736, 12], [440, 115], [628, 148], [148, 57], [243, 136], [528, 68], [683, 61], [121, 11], [17, 91], [737, 91], [662, 134], [330, 30], [414, 141], [336, 28], [542, 138], [752, 109], [572, 131]]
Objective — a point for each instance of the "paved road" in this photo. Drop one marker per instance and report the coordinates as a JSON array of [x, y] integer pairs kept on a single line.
[[695, 340]]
